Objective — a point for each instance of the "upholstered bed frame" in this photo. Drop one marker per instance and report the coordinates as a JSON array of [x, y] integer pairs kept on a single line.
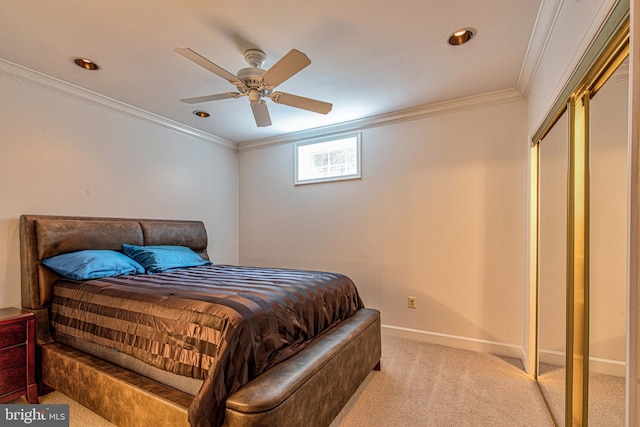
[[308, 389]]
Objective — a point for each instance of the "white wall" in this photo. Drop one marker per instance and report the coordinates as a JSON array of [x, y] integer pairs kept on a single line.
[[61, 155], [439, 214]]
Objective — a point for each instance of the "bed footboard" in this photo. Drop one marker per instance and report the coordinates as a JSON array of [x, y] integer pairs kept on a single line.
[[312, 387]]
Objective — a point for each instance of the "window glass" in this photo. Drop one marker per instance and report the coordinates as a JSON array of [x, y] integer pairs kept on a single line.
[[328, 159]]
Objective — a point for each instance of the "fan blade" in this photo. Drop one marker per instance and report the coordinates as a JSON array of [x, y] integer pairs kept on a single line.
[[301, 102], [208, 98], [287, 66], [205, 63], [261, 114]]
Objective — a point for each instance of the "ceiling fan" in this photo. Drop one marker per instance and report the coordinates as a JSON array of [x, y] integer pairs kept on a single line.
[[257, 83]]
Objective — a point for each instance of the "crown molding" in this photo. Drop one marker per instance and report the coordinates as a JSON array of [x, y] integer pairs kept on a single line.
[[42, 81], [418, 113], [542, 29]]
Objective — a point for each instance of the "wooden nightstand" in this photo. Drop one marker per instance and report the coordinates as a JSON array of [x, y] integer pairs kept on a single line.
[[17, 355]]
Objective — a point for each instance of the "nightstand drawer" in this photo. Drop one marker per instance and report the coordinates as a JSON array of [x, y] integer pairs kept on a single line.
[[13, 379], [17, 355], [13, 356], [13, 334]]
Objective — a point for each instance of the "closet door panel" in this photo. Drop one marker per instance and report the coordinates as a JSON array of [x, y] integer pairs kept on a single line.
[[608, 250], [552, 266]]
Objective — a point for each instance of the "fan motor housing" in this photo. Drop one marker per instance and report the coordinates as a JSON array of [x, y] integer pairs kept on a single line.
[[251, 76]]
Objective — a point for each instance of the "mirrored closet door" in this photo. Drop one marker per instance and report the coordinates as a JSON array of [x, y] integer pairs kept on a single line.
[[552, 266], [580, 182], [608, 244]]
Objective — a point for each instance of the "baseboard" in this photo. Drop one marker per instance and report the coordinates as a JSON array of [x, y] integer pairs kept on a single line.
[[552, 357], [596, 364], [456, 341], [607, 366]]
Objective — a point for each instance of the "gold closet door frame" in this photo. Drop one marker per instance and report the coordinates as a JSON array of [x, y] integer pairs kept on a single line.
[[590, 79], [577, 372]]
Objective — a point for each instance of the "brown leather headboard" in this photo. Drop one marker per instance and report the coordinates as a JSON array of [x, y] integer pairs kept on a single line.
[[43, 236]]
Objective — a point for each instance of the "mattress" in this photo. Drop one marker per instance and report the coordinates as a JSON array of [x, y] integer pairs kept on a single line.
[[187, 385], [223, 325]]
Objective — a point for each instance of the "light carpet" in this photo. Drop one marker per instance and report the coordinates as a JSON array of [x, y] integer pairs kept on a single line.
[[79, 416], [606, 396], [423, 384]]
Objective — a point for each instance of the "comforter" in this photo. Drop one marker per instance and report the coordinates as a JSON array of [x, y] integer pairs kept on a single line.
[[222, 324]]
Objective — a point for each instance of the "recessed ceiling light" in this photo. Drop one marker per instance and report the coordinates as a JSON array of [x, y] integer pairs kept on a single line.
[[87, 64], [201, 113], [461, 36]]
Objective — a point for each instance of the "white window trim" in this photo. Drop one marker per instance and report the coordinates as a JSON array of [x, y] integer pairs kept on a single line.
[[357, 175]]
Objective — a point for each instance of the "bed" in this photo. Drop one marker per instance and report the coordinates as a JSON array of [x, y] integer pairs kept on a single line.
[[297, 369]]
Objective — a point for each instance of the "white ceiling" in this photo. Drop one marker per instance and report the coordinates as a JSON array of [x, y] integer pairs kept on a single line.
[[368, 58]]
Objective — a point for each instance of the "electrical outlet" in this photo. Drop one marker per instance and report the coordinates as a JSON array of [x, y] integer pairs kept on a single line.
[[413, 302]]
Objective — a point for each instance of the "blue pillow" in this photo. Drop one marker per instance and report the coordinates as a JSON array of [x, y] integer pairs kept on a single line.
[[92, 264], [156, 259]]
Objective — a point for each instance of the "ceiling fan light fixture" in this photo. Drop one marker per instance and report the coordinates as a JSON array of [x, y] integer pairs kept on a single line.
[[256, 83], [461, 36], [201, 114], [86, 64]]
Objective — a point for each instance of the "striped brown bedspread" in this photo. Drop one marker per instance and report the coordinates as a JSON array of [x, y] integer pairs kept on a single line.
[[222, 324]]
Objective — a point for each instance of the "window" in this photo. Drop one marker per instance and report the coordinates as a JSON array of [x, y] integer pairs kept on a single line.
[[334, 159]]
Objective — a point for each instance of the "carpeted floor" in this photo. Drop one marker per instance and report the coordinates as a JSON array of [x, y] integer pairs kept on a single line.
[[79, 416], [606, 396], [421, 384]]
